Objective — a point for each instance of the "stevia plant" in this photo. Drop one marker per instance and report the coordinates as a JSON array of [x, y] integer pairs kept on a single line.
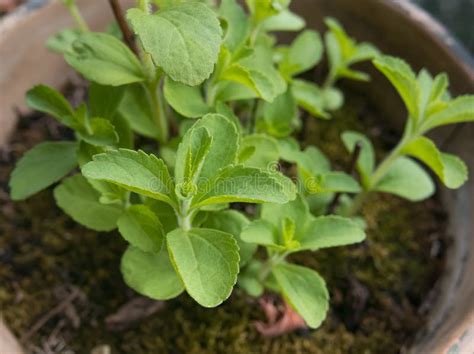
[[214, 100]]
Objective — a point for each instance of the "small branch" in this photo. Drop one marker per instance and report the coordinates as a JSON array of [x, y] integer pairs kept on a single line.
[[355, 157], [127, 33]]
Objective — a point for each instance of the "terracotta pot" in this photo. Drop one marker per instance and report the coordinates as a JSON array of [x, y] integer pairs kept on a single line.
[[396, 27]]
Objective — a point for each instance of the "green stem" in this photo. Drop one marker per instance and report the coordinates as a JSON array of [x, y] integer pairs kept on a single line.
[[156, 103], [76, 15], [270, 263], [185, 216], [144, 5]]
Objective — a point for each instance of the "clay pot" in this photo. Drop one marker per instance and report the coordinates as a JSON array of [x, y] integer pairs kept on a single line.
[[396, 27]]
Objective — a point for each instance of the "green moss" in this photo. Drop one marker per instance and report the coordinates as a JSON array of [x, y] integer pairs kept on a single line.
[[376, 287]]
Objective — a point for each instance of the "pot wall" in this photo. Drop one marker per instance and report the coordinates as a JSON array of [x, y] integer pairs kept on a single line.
[[396, 27]]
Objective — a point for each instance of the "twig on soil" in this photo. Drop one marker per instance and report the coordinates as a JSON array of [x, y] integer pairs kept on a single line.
[[62, 306], [127, 33], [133, 312], [355, 157]]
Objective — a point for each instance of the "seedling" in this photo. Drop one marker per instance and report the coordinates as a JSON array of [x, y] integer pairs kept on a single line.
[[221, 99]]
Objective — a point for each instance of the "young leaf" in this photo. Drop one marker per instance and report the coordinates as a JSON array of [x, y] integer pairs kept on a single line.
[[47, 100], [184, 40], [232, 222], [151, 274], [135, 171], [100, 132], [330, 231], [304, 53], [104, 59], [450, 169], [408, 180], [309, 97], [76, 197], [243, 184], [42, 166], [279, 115], [305, 290], [263, 9], [284, 21], [331, 182], [459, 110], [366, 160], [141, 228], [104, 100], [186, 100], [262, 232], [207, 261], [265, 151], [62, 41], [237, 24], [403, 79], [135, 109]]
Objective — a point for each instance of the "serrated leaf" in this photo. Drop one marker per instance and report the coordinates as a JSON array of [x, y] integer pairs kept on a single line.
[[450, 169], [309, 97], [76, 197], [243, 184], [42, 166], [305, 290], [100, 132], [135, 108], [207, 261], [104, 59], [186, 100], [265, 151], [366, 160], [141, 228], [151, 274], [304, 53], [238, 23], [403, 79], [184, 40], [62, 41], [135, 171], [232, 222], [47, 100], [408, 180], [330, 231], [459, 110]]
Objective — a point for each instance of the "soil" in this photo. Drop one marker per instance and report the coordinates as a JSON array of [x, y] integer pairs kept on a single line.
[[59, 281]]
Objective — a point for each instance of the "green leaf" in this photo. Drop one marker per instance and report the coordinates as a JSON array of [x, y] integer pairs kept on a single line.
[[333, 98], [284, 21], [305, 290], [124, 132], [310, 97], [459, 110], [151, 274], [104, 59], [184, 40], [366, 160], [135, 171], [330, 231], [304, 53], [223, 149], [265, 151], [100, 132], [104, 100], [243, 184], [262, 9], [141, 228], [166, 214], [279, 115], [238, 23], [135, 108], [186, 100], [289, 149], [76, 197], [312, 162], [232, 222], [403, 79], [331, 182], [249, 279], [42, 166], [207, 261], [62, 41], [47, 100], [262, 232], [408, 180], [450, 169]]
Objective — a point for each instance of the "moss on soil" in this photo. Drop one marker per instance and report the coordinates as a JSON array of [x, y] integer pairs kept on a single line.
[[376, 288]]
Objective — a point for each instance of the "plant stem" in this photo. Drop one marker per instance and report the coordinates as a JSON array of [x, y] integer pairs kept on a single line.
[[76, 15], [127, 33], [155, 99], [144, 5], [184, 216], [270, 263], [355, 157]]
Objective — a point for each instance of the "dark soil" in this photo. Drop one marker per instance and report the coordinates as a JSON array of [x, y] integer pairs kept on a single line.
[[377, 288]]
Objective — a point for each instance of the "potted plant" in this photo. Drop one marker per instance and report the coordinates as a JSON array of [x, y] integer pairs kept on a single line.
[[222, 100]]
